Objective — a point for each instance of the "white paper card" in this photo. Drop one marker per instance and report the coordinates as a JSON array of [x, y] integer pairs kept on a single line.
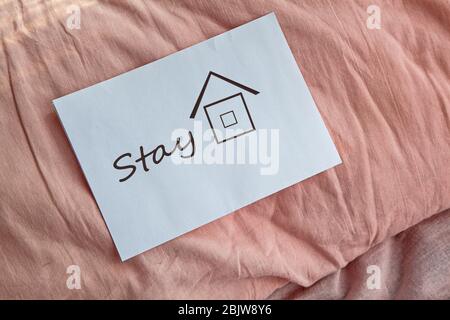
[[187, 139]]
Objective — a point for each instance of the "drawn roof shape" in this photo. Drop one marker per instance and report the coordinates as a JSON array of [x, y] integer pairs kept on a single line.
[[202, 92]]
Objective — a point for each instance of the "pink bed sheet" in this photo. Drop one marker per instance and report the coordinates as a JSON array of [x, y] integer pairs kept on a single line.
[[384, 95], [414, 264]]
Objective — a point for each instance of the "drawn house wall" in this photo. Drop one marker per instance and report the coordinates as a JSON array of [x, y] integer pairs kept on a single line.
[[228, 116]]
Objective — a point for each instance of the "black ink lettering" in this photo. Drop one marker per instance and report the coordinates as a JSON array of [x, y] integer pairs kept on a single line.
[[157, 154], [120, 167], [142, 158], [191, 142]]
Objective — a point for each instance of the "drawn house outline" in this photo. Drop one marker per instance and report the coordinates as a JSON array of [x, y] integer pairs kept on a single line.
[[209, 105]]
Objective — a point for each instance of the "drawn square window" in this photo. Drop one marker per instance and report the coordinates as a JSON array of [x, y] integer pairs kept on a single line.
[[228, 119], [229, 112]]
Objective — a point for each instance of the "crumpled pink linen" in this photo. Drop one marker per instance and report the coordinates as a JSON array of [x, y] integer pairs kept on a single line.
[[413, 265], [384, 95]]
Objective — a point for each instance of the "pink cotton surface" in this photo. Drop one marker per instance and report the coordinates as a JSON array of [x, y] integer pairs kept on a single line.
[[414, 264], [384, 96]]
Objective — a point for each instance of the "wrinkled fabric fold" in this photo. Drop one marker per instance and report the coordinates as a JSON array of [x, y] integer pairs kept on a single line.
[[384, 95]]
